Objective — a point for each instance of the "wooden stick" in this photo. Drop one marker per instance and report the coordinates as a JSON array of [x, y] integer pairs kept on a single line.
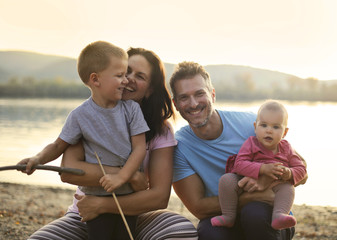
[[116, 200], [45, 167]]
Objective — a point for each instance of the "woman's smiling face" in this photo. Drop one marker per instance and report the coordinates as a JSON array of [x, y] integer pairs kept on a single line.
[[139, 76]]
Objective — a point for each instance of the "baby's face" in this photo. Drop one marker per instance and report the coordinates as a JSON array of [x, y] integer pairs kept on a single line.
[[270, 128]]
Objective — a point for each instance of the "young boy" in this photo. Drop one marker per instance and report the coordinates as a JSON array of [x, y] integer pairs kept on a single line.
[[106, 124]]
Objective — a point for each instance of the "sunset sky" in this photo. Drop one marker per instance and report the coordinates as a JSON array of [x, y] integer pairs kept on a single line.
[[292, 36]]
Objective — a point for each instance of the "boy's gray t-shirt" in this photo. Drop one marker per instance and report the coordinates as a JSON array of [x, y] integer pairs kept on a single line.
[[106, 131]]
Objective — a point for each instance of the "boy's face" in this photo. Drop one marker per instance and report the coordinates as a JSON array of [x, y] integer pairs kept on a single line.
[[112, 81], [270, 128]]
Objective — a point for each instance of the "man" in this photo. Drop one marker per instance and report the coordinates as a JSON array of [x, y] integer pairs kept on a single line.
[[200, 159]]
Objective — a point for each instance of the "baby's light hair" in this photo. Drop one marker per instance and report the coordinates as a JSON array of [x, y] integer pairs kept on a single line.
[[96, 57], [273, 105]]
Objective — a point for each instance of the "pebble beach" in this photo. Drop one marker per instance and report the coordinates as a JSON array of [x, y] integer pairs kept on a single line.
[[26, 208]]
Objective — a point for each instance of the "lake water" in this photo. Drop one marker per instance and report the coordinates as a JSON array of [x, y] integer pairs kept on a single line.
[[27, 125]]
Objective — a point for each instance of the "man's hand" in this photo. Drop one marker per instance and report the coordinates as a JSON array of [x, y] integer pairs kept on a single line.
[[250, 184], [266, 196]]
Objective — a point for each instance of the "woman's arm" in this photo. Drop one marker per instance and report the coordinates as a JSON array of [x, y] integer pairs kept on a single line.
[[156, 197], [73, 157]]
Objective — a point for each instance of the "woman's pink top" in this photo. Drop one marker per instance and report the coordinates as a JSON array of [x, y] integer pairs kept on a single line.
[[161, 141], [253, 154]]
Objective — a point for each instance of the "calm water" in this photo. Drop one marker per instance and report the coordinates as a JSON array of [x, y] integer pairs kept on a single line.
[[28, 125]]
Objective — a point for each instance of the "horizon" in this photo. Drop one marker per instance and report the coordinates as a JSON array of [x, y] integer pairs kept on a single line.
[[219, 64], [294, 37]]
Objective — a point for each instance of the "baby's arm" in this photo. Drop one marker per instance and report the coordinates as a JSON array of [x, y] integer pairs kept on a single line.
[[48, 154], [273, 170], [244, 163], [110, 182], [297, 168]]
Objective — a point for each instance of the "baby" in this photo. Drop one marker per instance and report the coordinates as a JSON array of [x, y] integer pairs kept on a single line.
[[268, 154]]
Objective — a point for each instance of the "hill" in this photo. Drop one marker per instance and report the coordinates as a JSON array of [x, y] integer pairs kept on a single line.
[[28, 74], [40, 66]]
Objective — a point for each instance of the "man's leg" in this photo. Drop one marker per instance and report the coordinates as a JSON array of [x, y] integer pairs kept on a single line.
[[256, 223]]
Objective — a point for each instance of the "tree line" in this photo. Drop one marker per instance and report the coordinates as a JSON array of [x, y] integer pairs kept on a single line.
[[244, 90]]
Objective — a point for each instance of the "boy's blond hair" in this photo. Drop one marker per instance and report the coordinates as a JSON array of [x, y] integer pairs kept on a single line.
[[273, 105], [96, 57]]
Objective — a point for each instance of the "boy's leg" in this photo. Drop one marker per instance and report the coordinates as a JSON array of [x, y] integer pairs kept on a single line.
[[255, 222], [120, 231], [284, 198], [102, 227], [229, 192]]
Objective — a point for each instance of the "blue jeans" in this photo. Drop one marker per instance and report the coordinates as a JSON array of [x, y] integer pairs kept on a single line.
[[253, 223]]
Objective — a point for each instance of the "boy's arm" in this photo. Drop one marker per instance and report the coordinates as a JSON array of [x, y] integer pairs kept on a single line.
[[48, 154], [111, 182], [73, 157]]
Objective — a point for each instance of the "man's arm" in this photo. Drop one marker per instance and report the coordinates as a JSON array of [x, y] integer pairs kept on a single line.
[[191, 191]]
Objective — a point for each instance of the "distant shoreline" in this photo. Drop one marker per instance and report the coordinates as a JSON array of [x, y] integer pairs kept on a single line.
[[26, 208]]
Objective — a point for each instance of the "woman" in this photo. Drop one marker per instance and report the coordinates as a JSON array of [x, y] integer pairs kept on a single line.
[[147, 87]]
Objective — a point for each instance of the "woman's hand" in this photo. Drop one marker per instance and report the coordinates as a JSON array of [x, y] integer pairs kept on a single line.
[[88, 206]]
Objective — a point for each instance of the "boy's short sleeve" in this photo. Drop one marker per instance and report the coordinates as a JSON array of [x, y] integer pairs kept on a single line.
[[137, 122], [71, 131]]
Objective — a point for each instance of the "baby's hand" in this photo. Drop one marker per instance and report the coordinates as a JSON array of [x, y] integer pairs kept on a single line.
[[273, 170], [287, 174], [111, 182], [31, 163]]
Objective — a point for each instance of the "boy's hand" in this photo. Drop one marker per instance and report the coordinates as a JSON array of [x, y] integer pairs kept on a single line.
[[31, 163], [111, 182], [273, 170]]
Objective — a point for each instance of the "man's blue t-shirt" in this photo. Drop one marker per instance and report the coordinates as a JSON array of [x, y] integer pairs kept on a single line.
[[208, 158]]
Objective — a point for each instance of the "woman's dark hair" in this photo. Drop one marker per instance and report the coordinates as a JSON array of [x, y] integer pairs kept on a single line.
[[156, 108]]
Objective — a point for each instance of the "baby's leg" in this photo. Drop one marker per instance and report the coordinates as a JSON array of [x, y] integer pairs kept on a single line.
[[228, 197], [284, 198]]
